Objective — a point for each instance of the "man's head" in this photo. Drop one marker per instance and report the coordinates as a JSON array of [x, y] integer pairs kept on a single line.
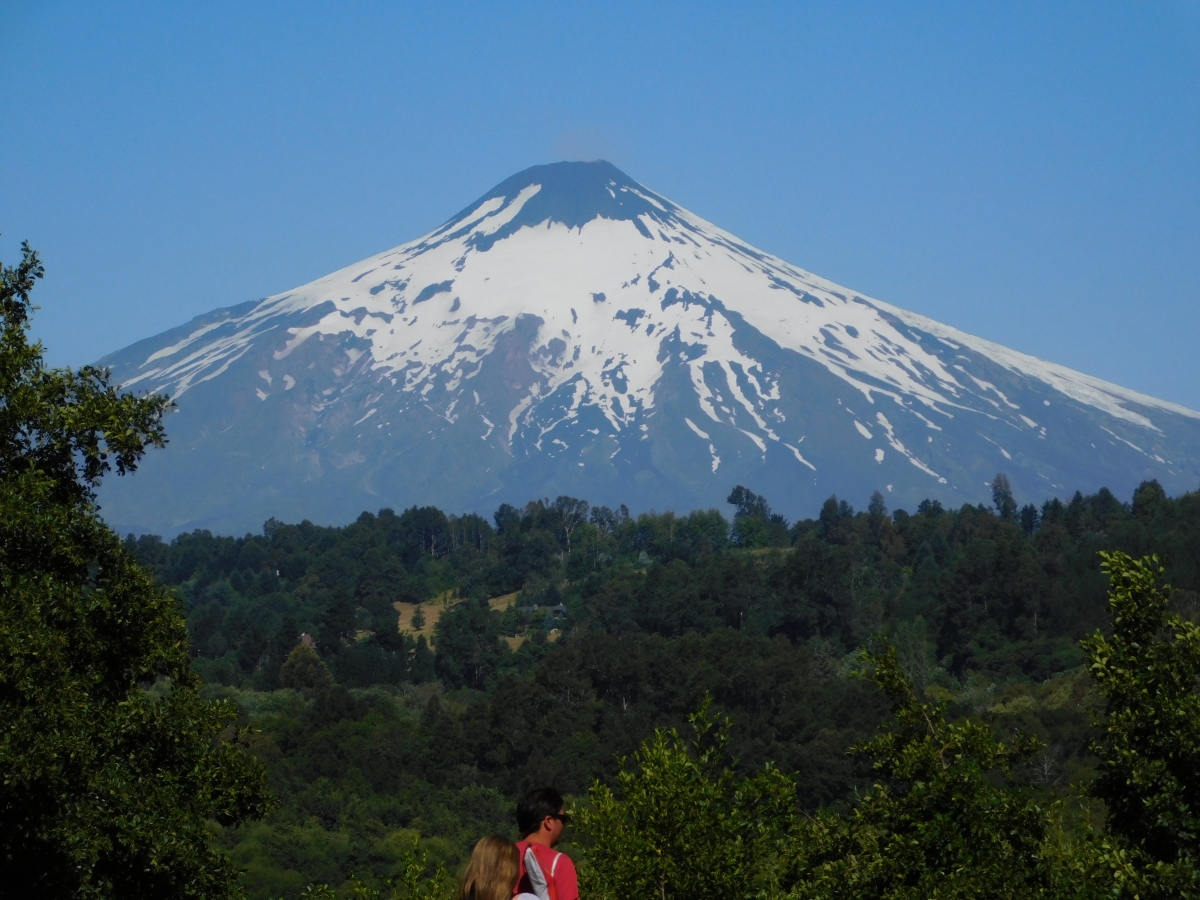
[[540, 816]]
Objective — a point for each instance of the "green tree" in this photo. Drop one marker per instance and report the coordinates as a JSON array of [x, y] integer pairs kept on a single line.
[[754, 525], [940, 823], [416, 882], [1002, 497], [510, 620], [418, 618], [112, 763], [468, 642], [421, 666], [304, 671], [1150, 752], [572, 513], [683, 824]]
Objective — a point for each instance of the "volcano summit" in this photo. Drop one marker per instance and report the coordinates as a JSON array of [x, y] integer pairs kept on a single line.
[[572, 332]]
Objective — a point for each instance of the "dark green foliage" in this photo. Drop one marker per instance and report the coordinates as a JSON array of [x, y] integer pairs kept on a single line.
[[113, 764], [303, 671], [754, 525], [469, 646], [978, 609], [1149, 778], [71, 428], [359, 774], [683, 824], [950, 817], [1029, 518], [1002, 497], [956, 812], [414, 881], [996, 599], [943, 821], [421, 665], [654, 612], [572, 512]]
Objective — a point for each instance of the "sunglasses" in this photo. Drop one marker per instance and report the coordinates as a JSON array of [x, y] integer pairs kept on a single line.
[[565, 818]]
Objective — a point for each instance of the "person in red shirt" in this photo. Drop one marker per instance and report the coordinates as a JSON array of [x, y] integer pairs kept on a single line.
[[540, 822]]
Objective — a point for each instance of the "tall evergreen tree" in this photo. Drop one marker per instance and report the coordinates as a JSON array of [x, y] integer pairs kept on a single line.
[[1002, 497]]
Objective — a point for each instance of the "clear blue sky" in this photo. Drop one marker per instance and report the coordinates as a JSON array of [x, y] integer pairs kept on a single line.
[[1026, 172]]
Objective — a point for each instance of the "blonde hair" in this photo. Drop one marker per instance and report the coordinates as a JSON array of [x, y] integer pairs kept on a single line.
[[492, 872]]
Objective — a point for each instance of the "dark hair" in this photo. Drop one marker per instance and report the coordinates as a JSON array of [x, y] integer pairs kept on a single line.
[[534, 807]]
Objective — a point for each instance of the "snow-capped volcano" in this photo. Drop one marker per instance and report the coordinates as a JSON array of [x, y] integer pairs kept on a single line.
[[572, 332]]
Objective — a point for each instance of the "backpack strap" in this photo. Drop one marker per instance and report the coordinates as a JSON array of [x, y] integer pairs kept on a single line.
[[551, 885], [542, 882]]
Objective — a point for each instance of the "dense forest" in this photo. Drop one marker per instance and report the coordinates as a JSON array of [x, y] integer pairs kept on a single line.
[[411, 673]]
